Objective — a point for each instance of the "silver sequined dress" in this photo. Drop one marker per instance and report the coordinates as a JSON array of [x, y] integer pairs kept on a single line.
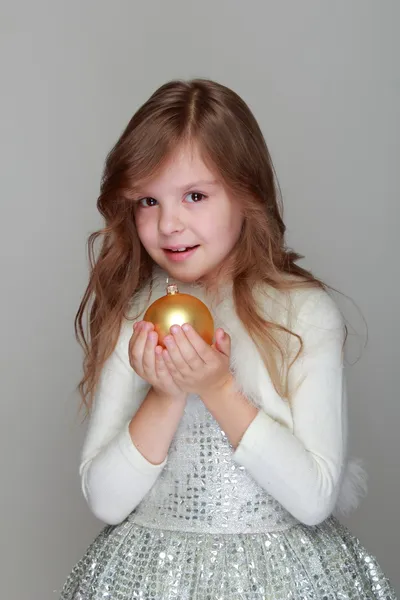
[[207, 531]]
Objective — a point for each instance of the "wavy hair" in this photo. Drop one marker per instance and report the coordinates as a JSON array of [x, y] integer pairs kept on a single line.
[[224, 129]]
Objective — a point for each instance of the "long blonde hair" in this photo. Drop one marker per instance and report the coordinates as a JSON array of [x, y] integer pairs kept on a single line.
[[229, 138]]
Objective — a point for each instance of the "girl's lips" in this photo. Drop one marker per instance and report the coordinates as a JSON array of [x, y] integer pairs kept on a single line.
[[179, 256]]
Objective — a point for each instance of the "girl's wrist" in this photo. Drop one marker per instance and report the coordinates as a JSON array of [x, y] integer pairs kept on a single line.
[[226, 385], [161, 395]]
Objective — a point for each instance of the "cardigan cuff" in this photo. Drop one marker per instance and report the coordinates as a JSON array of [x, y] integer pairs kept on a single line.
[[253, 440]]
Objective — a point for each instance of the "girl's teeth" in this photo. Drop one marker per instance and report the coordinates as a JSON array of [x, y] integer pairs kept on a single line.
[[185, 249]]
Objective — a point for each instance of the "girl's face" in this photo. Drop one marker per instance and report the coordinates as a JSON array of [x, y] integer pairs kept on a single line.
[[186, 220]]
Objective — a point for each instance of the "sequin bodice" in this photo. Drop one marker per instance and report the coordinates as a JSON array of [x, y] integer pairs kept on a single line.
[[202, 489]]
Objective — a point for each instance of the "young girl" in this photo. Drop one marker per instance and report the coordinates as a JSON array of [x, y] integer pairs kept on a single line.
[[217, 468]]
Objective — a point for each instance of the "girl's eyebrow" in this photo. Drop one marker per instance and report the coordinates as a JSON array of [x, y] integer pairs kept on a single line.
[[139, 192], [200, 183]]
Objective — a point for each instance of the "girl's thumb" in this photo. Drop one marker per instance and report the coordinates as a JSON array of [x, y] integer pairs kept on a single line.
[[223, 342]]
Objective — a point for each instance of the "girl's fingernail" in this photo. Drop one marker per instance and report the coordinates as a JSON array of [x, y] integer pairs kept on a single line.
[[186, 327]]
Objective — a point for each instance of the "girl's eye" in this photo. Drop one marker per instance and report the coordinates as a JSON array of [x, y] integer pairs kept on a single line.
[[195, 197], [192, 198], [147, 202]]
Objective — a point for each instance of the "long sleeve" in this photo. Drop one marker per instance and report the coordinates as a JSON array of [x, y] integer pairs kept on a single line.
[[115, 476], [302, 465]]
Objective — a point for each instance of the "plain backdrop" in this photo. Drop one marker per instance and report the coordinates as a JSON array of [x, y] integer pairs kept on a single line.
[[323, 80]]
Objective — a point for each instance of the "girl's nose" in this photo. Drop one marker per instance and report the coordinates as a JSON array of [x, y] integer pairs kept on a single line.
[[170, 221]]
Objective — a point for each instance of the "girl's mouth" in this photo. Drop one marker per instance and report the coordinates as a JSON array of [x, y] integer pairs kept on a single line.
[[181, 253]]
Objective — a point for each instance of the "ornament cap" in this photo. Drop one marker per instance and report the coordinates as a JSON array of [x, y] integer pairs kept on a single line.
[[172, 289]]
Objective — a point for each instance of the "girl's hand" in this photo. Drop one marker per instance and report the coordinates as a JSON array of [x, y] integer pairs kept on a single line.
[[146, 358], [195, 366]]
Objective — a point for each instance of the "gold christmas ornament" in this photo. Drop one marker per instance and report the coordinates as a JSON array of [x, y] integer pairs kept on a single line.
[[176, 309]]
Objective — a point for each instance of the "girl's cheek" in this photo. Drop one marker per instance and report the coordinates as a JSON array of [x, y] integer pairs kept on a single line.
[[146, 229], [141, 219]]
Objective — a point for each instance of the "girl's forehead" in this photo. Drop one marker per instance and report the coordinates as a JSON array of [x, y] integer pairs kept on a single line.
[[182, 168]]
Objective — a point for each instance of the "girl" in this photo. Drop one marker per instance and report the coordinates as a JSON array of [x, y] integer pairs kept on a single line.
[[217, 468]]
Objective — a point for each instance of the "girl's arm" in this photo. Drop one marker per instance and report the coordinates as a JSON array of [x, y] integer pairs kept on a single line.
[[127, 440], [300, 466]]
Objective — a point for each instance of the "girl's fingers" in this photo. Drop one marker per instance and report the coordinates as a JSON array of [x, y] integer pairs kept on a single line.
[[173, 371], [138, 342], [186, 349], [148, 360], [175, 354], [201, 347], [161, 367], [132, 348], [137, 328]]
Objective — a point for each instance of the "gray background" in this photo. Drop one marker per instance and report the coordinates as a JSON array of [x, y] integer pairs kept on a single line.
[[323, 80]]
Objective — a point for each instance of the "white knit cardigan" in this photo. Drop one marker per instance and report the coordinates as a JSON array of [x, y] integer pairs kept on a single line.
[[296, 448]]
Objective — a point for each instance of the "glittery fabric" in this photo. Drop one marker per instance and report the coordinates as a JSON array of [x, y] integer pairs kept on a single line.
[[201, 488], [207, 531]]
